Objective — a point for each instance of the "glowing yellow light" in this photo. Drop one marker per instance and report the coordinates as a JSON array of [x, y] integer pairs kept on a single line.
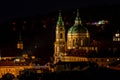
[[33, 57], [25, 56], [117, 34], [20, 46], [107, 59], [118, 59], [17, 60]]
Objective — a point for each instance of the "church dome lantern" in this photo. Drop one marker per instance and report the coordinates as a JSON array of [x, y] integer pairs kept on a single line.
[[77, 27]]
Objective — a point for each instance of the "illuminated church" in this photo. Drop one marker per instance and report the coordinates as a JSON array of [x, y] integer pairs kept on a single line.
[[77, 47], [78, 39]]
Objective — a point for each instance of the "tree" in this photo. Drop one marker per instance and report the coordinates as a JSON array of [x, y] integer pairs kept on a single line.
[[28, 74], [8, 76]]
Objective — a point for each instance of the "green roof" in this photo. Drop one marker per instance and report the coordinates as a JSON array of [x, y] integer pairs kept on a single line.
[[60, 21], [77, 29]]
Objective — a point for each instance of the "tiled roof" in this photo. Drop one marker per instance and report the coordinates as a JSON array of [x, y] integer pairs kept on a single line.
[[12, 63]]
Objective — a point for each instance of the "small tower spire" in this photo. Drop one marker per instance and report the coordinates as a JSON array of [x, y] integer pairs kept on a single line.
[[60, 43], [59, 13], [60, 21], [77, 19], [20, 43]]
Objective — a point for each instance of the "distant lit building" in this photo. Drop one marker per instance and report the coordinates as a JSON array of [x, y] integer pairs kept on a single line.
[[100, 22], [15, 65], [12, 67], [116, 37], [116, 42], [20, 43]]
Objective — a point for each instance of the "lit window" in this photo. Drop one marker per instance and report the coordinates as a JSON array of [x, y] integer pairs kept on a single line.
[[117, 34], [61, 29], [61, 36], [118, 59], [100, 22], [114, 39], [108, 66], [73, 42], [81, 42], [58, 49], [107, 59], [17, 60], [118, 39]]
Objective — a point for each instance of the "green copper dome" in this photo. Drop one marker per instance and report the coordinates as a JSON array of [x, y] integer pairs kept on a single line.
[[77, 27]]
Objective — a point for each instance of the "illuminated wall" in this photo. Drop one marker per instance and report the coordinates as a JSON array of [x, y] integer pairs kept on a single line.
[[12, 69], [77, 40], [116, 37], [20, 45]]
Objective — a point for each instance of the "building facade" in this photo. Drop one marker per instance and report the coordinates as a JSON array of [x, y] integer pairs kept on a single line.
[[77, 46], [78, 38], [15, 65]]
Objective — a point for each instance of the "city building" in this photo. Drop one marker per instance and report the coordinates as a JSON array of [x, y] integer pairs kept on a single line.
[[71, 52], [22, 61], [20, 43], [15, 65], [116, 37]]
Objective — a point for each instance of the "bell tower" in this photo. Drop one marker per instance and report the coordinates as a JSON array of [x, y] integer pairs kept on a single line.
[[20, 43], [60, 44]]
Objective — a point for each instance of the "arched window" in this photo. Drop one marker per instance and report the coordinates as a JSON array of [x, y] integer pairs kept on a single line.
[[73, 42], [77, 43], [81, 42], [61, 35], [61, 29]]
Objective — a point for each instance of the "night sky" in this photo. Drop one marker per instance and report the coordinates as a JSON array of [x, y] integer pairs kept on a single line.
[[10, 9], [13, 8]]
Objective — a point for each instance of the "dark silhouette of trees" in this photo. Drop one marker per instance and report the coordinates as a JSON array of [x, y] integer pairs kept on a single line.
[[7, 76], [28, 74]]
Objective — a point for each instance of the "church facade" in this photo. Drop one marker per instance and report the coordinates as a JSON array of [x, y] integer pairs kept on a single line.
[[76, 48], [78, 39]]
